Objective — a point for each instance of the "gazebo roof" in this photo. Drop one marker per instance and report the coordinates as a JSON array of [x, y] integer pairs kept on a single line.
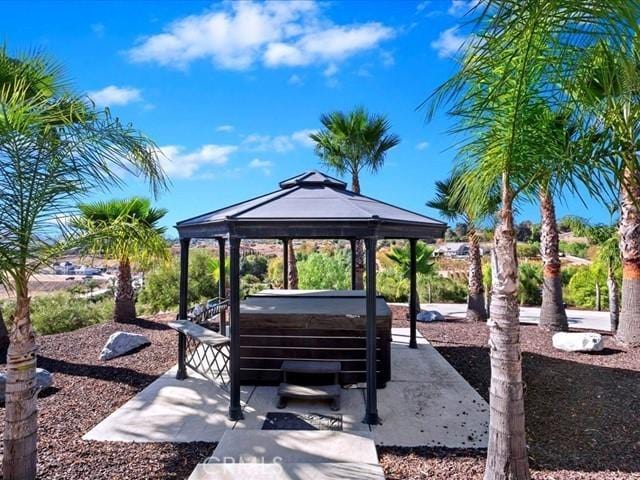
[[311, 205]]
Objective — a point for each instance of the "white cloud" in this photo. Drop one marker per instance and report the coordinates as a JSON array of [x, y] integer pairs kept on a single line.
[[238, 35], [264, 165], [178, 163], [459, 8], [331, 70], [278, 143], [422, 5], [295, 80], [98, 29], [448, 43], [225, 128], [112, 95], [422, 146]]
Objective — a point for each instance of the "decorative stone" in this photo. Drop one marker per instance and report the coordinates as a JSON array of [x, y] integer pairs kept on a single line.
[[430, 316], [120, 343], [578, 342], [44, 379]]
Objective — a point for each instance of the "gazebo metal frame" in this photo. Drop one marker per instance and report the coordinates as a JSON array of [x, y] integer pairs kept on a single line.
[[311, 205]]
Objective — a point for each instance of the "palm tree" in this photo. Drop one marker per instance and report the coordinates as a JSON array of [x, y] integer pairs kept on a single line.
[[352, 142], [54, 147], [451, 207], [510, 74], [124, 230], [425, 265], [608, 242], [609, 86]]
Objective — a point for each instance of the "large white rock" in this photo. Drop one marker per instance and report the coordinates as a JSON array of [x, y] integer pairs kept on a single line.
[[44, 379], [430, 316], [120, 343], [578, 342]]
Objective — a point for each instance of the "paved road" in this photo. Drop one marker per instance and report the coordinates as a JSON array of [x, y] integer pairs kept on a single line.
[[581, 319]]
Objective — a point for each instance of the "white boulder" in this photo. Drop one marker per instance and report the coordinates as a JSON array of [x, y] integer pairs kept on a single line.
[[430, 316], [44, 379], [120, 343], [578, 342]]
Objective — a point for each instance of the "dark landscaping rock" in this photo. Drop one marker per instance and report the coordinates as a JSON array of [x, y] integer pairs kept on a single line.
[[430, 316], [120, 343]]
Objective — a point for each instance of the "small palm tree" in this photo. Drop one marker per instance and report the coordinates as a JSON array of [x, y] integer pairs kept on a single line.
[[425, 266], [352, 142], [449, 202], [124, 230], [54, 147]]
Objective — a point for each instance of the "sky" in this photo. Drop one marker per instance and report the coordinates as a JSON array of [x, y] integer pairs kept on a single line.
[[231, 90]]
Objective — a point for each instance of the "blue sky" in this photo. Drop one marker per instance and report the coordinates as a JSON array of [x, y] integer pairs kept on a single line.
[[231, 90]]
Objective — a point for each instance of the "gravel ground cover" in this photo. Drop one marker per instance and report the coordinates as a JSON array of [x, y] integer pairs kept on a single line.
[[583, 411]]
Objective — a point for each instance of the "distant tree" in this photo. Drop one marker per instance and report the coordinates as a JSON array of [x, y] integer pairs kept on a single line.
[[449, 204], [127, 231], [524, 231], [292, 275], [425, 265], [349, 143]]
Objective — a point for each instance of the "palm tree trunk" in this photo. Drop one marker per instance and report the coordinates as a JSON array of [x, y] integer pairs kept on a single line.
[[629, 327], [614, 307], [293, 267], [4, 338], [355, 186], [552, 314], [125, 297], [476, 311], [21, 414], [507, 452]]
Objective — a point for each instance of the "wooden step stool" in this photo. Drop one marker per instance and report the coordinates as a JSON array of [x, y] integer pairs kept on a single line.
[[331, 392]]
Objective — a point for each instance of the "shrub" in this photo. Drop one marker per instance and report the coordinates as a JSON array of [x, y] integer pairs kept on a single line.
[[577, 249], [319, 271], [63, 312], [275, 272], [445, 290], [530, 291], [581, 289], [392, 285], [528, 250], [255, 265]]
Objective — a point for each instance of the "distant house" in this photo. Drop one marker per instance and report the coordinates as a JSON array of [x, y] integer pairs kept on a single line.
[[453, 249]]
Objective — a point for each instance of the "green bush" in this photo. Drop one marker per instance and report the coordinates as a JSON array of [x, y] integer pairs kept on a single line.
[[255, 265], [577, 249], [528, 250], [445, 290], [63, 312], [530, 277], [162, 284], [581, 289], [321, 271], [392, 285], [275, 272]]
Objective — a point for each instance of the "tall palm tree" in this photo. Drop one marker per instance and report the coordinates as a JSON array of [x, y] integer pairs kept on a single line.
[[54, 147], [453, 208], [127, 231], [609, 86], [511, 70], [352, 142]]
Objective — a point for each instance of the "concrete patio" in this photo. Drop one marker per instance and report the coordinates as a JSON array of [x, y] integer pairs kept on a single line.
[[426, 403]]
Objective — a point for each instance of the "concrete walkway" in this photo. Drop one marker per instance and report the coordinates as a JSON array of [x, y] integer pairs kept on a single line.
[[426, 403], [579, 319]]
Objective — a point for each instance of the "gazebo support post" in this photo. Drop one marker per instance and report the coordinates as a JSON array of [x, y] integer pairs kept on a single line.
[[353, 263], [182, 306], [285, 263], [413, 297], [222, 284], [235, 410], [371, 416]]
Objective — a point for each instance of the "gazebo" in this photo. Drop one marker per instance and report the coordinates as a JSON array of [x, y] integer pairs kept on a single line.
[[311, 205]]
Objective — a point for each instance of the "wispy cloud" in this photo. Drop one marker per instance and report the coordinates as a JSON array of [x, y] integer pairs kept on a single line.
[[422, 146], [112, 95], [177, 162], [98, 29], [225, 128], [278, 143], [295, 80], [239, 35], [460, 8], [449, 42], [264, 165]]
